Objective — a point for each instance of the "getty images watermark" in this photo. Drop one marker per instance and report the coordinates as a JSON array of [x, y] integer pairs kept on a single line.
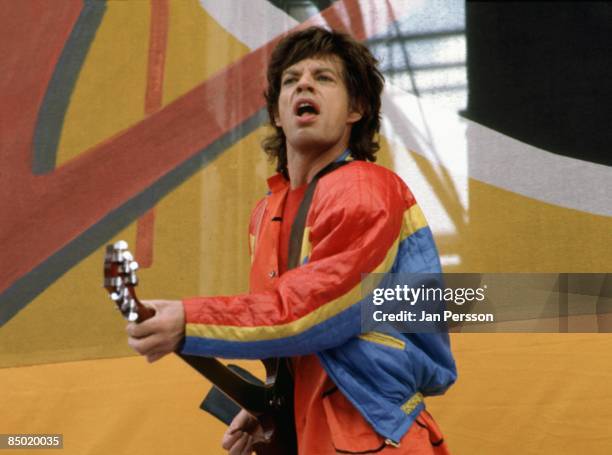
[[427, 301], [519, 302]]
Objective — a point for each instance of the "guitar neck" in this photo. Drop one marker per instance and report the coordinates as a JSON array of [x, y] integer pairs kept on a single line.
[[271, 403], [251, 397]]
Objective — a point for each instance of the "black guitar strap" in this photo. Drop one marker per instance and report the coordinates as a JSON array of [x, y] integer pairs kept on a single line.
[[299, 223], [295, 247], [218, 405]]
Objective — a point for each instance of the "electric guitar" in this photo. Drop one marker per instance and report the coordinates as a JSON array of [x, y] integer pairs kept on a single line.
[[270, 403]]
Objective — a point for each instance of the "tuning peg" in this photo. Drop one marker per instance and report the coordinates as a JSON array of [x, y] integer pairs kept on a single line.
[[127, 256], [133, 315], [125, 306], [121, 245], [115, 297], [134, 266]]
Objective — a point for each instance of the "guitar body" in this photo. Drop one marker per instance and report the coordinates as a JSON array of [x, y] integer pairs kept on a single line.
[[271, 403], [283, 438]]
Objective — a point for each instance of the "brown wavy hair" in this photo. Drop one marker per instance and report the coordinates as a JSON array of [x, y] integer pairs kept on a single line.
[[362, 79]]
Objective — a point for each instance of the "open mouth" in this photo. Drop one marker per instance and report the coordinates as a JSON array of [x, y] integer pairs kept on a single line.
[[304, 107]]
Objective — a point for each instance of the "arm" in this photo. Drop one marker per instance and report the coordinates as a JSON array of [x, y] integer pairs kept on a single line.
[[355, 228]]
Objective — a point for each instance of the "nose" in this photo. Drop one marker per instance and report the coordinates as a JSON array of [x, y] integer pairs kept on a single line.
[[305, 83]]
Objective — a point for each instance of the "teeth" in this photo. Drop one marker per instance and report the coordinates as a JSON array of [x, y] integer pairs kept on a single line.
[[302, 106]]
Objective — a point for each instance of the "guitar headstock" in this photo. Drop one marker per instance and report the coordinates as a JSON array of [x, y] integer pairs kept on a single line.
[[120, 280]]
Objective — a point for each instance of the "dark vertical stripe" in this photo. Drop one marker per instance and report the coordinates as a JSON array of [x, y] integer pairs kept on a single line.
[[53, 109]]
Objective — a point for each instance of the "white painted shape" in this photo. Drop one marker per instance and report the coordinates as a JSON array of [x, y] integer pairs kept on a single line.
[[450, 259], [253, 22], [456, 147], [378, 15], [405, 126], [466, 148]]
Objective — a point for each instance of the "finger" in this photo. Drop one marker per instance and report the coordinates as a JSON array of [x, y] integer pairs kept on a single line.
[[240, 421], [259, 435], [230, 438], [142, 329], [248, 446], [154, 357], [145, 346], [238, 447]]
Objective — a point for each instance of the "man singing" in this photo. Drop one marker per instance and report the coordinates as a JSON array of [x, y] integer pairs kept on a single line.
[[354, 392]]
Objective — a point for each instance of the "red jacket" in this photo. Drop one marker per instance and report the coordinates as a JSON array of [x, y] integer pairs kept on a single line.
[[362, 219]]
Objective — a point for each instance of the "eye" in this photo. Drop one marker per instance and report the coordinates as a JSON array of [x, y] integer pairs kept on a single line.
[[324, 77], [288, 80]]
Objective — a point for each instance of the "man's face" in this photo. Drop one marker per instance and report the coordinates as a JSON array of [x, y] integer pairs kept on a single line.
[[313, 107]]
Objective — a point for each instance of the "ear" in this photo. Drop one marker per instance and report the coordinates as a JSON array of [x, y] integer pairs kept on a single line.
[[354, 116]]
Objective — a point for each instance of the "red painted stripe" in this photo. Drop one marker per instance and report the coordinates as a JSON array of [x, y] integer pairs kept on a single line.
[[65, 203], [145, 231], [32, 37], [158, 40]]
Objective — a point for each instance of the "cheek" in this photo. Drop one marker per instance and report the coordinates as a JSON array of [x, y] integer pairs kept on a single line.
[[283, 109], [342, 106], [341, 115]]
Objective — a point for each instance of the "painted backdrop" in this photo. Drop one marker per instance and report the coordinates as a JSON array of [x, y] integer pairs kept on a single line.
[[141, 120]]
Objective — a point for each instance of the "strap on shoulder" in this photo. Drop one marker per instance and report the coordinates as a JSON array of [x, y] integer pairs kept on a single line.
[[299, 223]]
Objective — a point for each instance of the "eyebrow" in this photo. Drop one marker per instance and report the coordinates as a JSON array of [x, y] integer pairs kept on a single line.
[[324, 69]]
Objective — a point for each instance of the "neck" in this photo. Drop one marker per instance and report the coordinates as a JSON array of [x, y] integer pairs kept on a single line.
[[304, 165]]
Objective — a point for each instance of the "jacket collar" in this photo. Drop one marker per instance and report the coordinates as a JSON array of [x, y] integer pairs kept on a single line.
[[278, 182]]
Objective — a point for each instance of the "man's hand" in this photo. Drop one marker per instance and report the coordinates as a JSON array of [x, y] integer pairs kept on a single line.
[[161, 334], [243, 432]]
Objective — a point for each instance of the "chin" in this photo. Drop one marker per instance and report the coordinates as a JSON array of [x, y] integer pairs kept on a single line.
[[311, 143]]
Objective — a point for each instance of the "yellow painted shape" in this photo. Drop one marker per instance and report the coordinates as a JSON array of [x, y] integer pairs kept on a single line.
[[507, 232], [534, 400], [383, 156], [201, 248], [113, 406], [528, 394], [201, 237], [510, 232], [198, 47], [72, 319], [109, 94]]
